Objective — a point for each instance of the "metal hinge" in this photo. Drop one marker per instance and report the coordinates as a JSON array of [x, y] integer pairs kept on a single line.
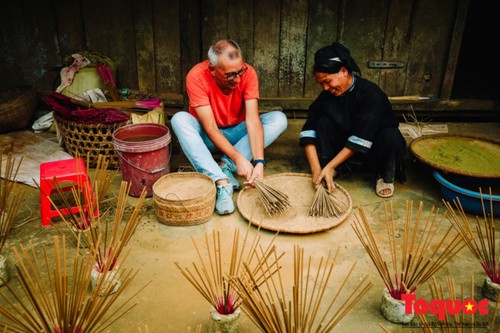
[[386, 64]]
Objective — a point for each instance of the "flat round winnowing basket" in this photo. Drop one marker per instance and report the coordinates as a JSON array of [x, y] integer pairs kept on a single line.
[[295, 219], [184, 198], [92, 140], [459, 154], [17, 106]]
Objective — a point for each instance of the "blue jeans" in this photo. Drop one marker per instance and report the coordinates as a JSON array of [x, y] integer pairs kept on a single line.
[[198, 148]]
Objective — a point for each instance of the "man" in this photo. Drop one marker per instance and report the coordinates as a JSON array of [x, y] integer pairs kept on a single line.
[[224, 117]]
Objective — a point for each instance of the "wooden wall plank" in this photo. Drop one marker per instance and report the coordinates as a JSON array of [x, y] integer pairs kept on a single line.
[[397, 46], [28, 44], [321, 31], [144, 45], [267, 45], [240, 26], [292, 50], [167, 46], [69, 22], [214, 24], [363, 32], [190, 38], [109, 31], [456, 41], [432, 29], [155, 43]]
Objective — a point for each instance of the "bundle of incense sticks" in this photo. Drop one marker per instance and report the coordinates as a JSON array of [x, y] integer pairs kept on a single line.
[[458, 320], [113, 238], [274, 201], [102, 177], [307, 307], [10, 195], [57, 293], [425, 249], [106, 76], [482, 242], [326, 204], [210, 275]]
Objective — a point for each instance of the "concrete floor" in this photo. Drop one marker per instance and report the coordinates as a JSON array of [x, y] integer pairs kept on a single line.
[[170, 304]]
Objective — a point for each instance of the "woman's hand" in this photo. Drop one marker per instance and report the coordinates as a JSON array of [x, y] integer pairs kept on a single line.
[[316, 180], [325, 177]]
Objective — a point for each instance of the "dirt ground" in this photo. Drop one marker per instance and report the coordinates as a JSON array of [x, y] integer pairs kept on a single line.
[[170, 304]]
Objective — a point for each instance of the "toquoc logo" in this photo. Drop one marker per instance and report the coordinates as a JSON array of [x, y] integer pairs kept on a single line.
[[443, 307]]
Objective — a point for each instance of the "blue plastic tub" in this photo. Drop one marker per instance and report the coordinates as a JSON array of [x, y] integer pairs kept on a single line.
[[456, 186]]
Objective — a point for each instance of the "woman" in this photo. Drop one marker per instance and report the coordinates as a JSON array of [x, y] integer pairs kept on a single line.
[[351, 123]]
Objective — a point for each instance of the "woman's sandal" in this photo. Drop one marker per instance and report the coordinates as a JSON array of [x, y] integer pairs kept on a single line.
[[381, 185]]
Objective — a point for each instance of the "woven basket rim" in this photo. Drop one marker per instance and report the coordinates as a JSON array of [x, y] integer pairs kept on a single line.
[[58, 118], [268, 223], [183, 175], [438, 166], [25, 90], [75, 137], [180, 211], [17, 111]]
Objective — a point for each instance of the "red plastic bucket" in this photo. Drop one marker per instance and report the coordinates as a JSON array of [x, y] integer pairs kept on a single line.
[[144, 155]]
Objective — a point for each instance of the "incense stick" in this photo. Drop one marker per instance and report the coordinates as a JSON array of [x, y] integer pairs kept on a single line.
[[210, 275], [112, 237], [481, 242], [274, 201], [274, 310], [326, 204], [417, 262], [456, 322], [10, 195], [102, 178], [57, 293]]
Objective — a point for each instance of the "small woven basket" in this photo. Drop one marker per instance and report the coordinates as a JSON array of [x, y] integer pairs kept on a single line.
[[17, 106], [184, 198], [92, 140]]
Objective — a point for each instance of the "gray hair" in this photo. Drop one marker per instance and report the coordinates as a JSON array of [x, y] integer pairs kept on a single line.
[[220, 47]]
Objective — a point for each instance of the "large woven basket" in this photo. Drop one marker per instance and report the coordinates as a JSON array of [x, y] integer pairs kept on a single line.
[[17, 106], [184, 198], [90, 140]]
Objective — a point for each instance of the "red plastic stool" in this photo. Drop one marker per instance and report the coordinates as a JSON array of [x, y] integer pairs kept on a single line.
[[65, 171]]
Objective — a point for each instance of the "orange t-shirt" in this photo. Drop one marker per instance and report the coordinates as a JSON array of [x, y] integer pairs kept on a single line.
[[228, 110]]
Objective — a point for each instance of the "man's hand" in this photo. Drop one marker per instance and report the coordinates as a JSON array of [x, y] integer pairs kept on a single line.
[[244, 167], [257, 173]]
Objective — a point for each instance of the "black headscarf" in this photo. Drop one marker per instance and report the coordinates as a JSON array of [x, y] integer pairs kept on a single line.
[[331, 58]]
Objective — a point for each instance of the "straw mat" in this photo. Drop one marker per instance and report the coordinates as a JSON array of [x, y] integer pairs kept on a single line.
[[296, 219]]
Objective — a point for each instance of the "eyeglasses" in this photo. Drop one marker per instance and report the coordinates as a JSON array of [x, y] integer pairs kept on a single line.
[[231, 76]]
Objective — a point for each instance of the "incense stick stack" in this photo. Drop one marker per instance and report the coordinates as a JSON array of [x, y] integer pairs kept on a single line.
[[325, 204], [423, 251], [10, 196], [103, 177], [482, 242], [274, 201], [210, 276], [274, 310], [57, 296], [111, 237], [106, 75]]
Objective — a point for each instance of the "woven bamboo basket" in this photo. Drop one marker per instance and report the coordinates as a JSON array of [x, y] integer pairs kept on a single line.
[[17, 106], [89, 140], [184, 198]]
